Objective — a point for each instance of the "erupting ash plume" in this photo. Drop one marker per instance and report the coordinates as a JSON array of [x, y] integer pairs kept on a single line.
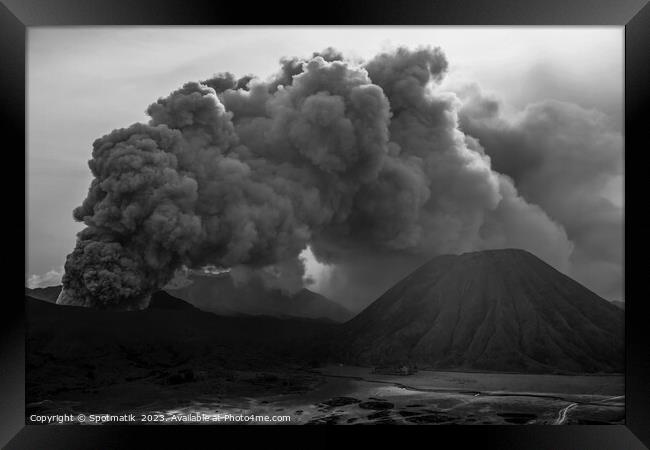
[[365, 163]]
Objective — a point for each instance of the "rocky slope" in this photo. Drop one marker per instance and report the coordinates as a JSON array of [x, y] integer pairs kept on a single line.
[[500, 310]]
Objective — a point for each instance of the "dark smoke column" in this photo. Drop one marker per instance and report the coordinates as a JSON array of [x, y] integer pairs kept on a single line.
[[139, 220], [235, 179], [102, 275]]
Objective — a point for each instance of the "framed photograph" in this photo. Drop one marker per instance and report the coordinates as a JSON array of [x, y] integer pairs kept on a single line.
[[405, 216]]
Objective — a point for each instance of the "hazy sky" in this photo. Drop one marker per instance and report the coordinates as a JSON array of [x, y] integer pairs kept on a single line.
[[84, 82]]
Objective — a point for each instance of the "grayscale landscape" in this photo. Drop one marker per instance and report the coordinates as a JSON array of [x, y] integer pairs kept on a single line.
[[364, 225]]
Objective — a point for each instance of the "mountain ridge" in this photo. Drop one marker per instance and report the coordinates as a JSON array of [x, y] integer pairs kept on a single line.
[[242, 301], [490, 310], [220, 294]]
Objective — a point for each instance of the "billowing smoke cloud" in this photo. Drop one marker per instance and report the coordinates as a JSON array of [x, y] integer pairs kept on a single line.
[[365, 163], [561, 157]]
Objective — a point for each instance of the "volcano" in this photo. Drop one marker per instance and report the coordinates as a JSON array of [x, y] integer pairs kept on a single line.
[[218, 293], [497, 310]]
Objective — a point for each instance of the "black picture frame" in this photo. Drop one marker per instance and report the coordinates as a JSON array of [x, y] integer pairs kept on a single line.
[[17, 15]]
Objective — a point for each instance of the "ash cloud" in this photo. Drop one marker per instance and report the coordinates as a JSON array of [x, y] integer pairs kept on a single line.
[[365, 163], [561, 157]]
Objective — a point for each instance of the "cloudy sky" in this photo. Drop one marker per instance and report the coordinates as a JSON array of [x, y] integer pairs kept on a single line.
[[545, 104]]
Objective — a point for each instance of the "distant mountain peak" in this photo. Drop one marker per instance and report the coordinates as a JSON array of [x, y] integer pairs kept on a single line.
[[47, 294], [220, 294]]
